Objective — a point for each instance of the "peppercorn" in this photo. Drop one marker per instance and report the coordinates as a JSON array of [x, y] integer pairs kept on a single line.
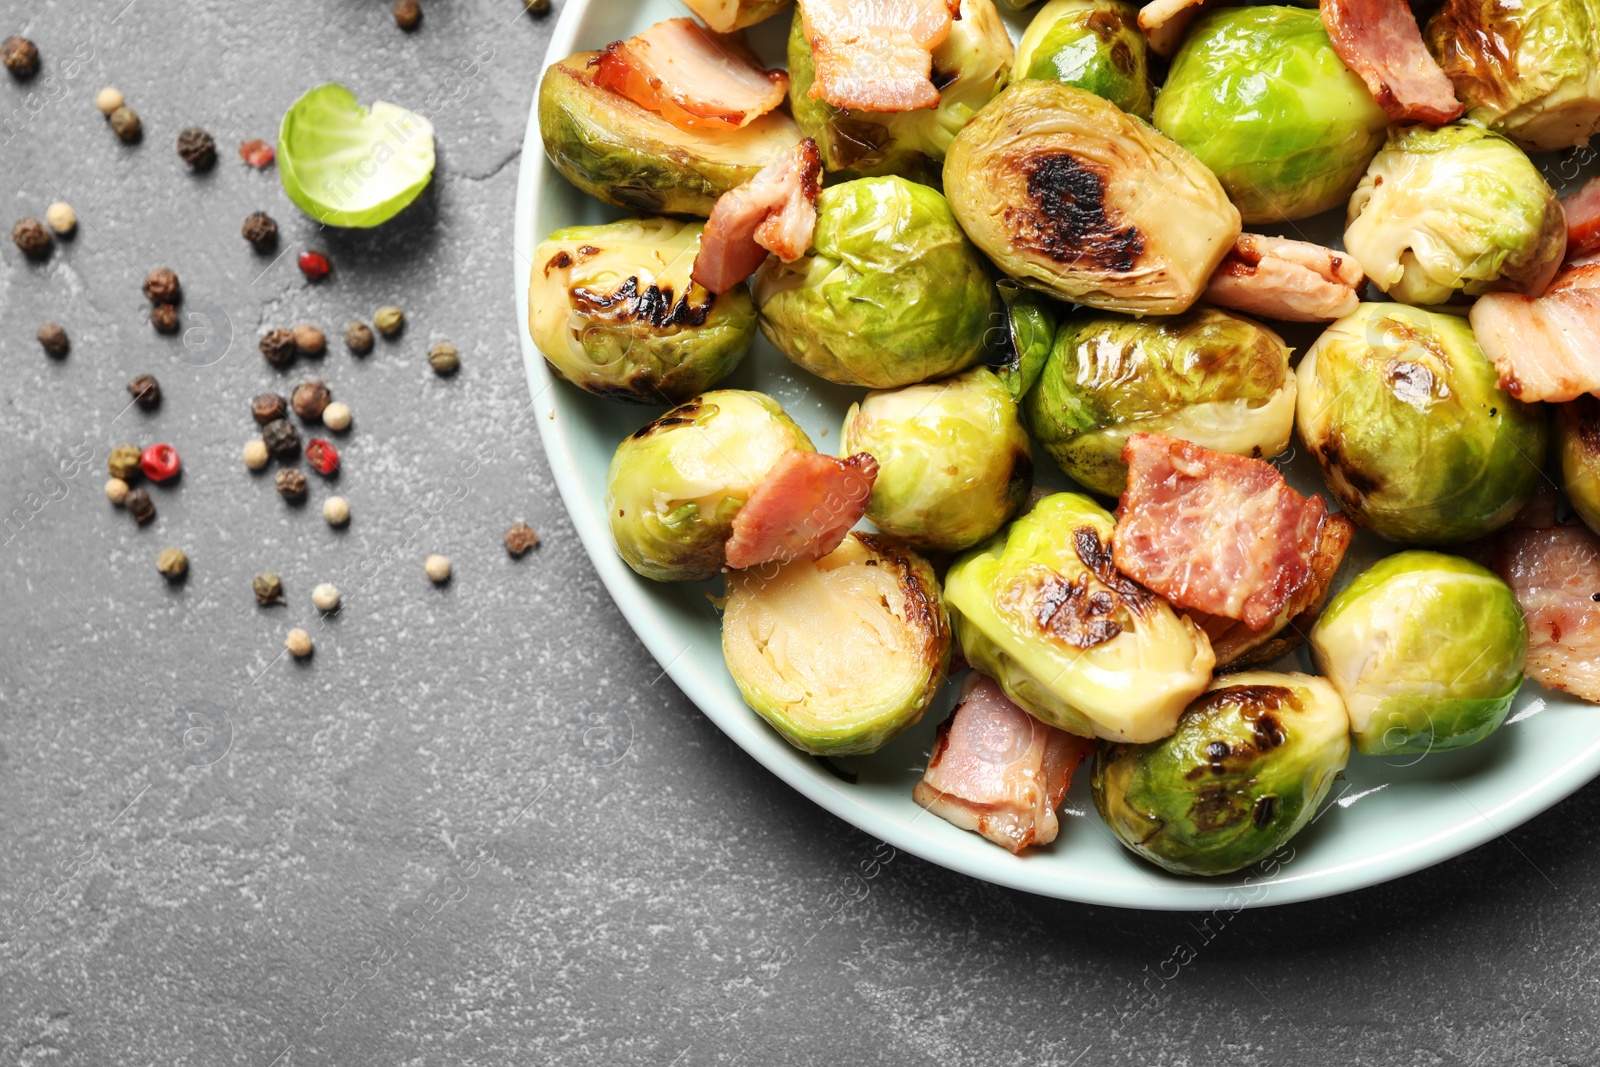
[[389, 320], [146, 391], [197, 148], [21, 57], [125, 123], [358, 338], [159, 462], [164, 317], [520, 538], [261, 231], [310, 340], [161, 286], [444, 359], [298, 642], [266, 407], [54, 339], [322, 456], [116, 491], [255, 453], [336, 416], [61, 218], [278, 347], [31, 236], [124, 462], [325, 597], [336, 509], [139, 506], [108, 100], [537, 7], [268, 588], [407, 14], [437, 568], [172, 563], [282, 439], [291, 485], [310, 399], [258, 154]]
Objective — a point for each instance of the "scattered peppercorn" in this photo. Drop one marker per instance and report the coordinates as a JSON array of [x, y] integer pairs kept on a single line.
[[325, 597], [537, 7], [389, 320], [314, 265], [255, 453], [161, 286], [291, 485], [298, 642], [407, 14], [146, 392], [336, 416], [124, 462], [108, 100], [31, 236], [265, 407], [268, 588], [444, 359], [261, 231], [172, 563], [322, 456], [116, 491], [278, 347], [21, 56], [310, 399], [259, 154], [159, 462], [336, 509], [125, 123], [54, 339], [139, 506], [164, 317], [438, 568], [282, 439], [61, 218], [520, 538], [358, 338], [310, 340], [197, 148]]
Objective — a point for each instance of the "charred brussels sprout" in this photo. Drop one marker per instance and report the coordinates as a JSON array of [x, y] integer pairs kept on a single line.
[[1259, 94], [1578, 434], [612, 148], [1216, 379], [891, 293], [1071, 196], [842, 654], [675, 485], [969, 68], [613, 310], [1529, 69], [1095, 45], [1456, 208], [1249, 764], [726, 16], [1426, 650], [1023, 341], [1041, 609], [1415, 438], [953, 460]]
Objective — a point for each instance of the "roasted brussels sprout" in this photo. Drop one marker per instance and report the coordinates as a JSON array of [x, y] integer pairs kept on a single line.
[[1529, 69], [1041, 609], [1578, 434], [1211, 377], [612, 148], [1454, 208], [675, 485], [1096, 45], [1415, 438], [726, 16], [1022, 343], [1249, 765], [969, 68], [613, 310], [1259, 94], [841, 654], [891, 293], [953, 461], [1426, 650], [1071, 196]]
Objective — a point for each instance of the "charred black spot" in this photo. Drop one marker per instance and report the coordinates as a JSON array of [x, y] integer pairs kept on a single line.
[[560, 261], [1121, 57], [1021, 476], [1584, 415], [587, 250], [1595, 597], [1067, 611], [1493, 412], [1096, 555], [1068, 220], [1217, 750], [1333, 456], [682, 415], [1216, 808], [1410, 382], [1104, 24], [941, 78], [654, 306], [1269, 735], [1265, 811]]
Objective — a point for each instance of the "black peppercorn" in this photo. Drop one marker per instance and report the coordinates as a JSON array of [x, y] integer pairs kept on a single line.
[[261, 231], [282, 439], [125, 123], [520, 538], [407, 14], [139, 506], [33, 238], [161, 286], [278, 347], [197, 148], [309, 399], [358, 338], [164, 317], [21, 57], [54, 339], [146, 391], [266, 407], [291, 484]]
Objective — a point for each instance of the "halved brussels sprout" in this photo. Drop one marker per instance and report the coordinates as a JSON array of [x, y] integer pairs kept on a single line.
[[612, 148], [1259, 94], [1415, 438], [1022, 343], [726, 16], [1529, 69], [1211, 377], [1578, 434], [891, 293], [1070, 195], [1426, 650], [953, 460], [613, 310], [674, 486], [346, 166], [841, 654], [1041, 609], [1249, 765], [1096, 45], [969, 68], [1456, 208]]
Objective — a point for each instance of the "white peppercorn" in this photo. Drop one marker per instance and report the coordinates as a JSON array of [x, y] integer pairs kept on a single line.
[[60, 217], [438, 568], [298, 642], [336, 510], [325, 597], [255, 453], [336, 416], [116, 491]]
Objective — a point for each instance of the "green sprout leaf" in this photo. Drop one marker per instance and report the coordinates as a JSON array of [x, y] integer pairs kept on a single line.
[[347, 166]]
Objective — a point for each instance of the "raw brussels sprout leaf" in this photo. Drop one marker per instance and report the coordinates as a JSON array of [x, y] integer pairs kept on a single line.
[[346, 166]]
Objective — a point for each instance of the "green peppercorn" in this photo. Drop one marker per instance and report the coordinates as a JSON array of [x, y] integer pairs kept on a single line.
[[444, 359], [124, 462], [125, 123], [172, 563], [358, 338], [54, 340], [268, 588], [389, 320]]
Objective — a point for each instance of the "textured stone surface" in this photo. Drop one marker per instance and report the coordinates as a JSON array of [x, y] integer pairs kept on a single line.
[[478, 826]]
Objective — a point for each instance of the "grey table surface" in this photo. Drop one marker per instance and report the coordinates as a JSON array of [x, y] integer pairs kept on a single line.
[[479, 826]]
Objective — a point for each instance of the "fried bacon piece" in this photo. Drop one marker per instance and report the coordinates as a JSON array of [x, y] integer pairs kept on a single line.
[[1380, 41], [1583, 219], [876, 55], [776, 211], [1291, 281], [1164, 23], [1545, 347], [690, 76], [802, 508], [1555, 574]]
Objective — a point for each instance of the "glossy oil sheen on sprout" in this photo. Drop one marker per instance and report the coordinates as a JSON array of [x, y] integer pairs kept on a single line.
[[1095, 45]]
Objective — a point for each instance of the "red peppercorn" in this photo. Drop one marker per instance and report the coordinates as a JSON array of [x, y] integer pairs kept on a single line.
[[322, 456], [257, 153], [159, 462], [314, 265]]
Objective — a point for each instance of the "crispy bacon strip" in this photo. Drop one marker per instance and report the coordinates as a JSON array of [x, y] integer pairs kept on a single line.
[[1380, 41], [1555, 574], [1292, 281], [876, 55], [1583, 219], [998, 771], [1164, 23], [1215, 532], [1545, 347], [776, 211], [692, 77], [802, 509]]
